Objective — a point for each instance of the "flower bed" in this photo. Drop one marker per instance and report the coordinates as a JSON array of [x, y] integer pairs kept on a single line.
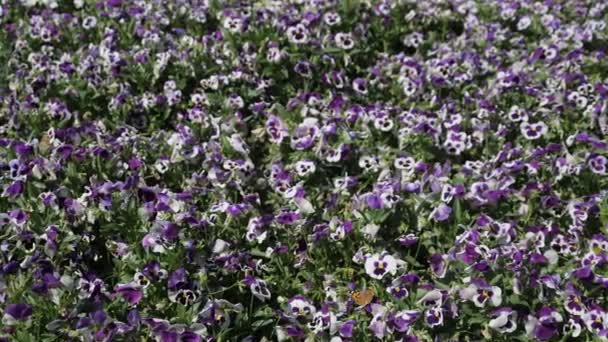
[[317, 170]]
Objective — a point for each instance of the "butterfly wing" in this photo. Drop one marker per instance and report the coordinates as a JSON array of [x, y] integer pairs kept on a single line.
[[363, 297], [45, 143]]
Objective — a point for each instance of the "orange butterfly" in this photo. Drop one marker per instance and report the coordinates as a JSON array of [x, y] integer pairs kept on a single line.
[[45, 143], [363, 297]]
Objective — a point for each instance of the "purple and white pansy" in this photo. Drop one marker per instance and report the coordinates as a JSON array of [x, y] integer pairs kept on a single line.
[[379, 265]]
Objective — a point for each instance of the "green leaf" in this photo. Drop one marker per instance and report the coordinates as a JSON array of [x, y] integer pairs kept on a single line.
[[258, 324]]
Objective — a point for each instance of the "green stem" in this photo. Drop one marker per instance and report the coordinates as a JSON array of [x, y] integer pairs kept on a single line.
[[224, 289]]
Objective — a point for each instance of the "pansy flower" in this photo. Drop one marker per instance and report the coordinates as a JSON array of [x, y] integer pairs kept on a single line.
[[153, 270], [378, 265], [573, 304], [305, 134], [378, 324], [255, 230], [438, 264], [344, 40], [218, 313], [16, 312], [598, 164], [399, 286], [383, 123], [480, 293], [408, 240], [517, 114], [258, 287], [504, 321], [404, 163], [598, 244], [184, 296], [323, 320], [573, 327], [300, 306], [305, 167], [544, 325], [533, 131], [403, 320], [345, 329], [181, 289], [441, 213], [275, 129], [339, 230], [596, 321], [456, 142], [90, 286], [360, 86], [433, 317], [431, 298], [297, 34], [130, 293]]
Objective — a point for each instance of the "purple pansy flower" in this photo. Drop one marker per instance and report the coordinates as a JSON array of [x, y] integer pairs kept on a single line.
[[481, 294], [533, 131], [300, 306], [433, 317], [130, 293], [403, 320], [16, 312], [378, 265], [544, 325], [504, 321]]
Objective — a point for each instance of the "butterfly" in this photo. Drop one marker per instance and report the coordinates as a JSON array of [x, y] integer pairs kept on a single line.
[[363, 297], [46, 143]]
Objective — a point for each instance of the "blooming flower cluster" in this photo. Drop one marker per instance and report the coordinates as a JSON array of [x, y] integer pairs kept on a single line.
[[319, 170]]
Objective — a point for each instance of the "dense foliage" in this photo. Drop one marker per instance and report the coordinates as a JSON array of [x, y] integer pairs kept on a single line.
[[320, 170]]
